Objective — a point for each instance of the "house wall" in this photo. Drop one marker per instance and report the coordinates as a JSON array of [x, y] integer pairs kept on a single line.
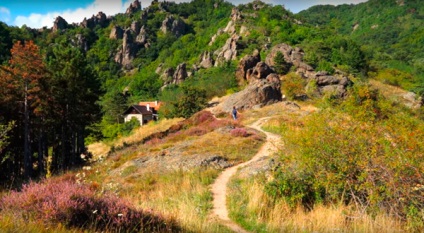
[[139, 117]]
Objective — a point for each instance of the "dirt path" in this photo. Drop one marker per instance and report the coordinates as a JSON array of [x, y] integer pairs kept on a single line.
[[219, 188]]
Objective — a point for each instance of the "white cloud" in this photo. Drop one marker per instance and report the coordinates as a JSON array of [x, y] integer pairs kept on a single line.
[[4, 14], [112, 7], [73, 16]]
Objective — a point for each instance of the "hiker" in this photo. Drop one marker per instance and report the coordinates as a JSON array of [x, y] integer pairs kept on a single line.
[[234, 113]]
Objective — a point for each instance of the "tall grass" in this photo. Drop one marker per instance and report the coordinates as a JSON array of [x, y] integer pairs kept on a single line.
[[251, 207], [359, 162]]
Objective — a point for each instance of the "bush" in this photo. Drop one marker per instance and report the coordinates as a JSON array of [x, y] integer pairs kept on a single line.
[[76, 205], [377, 165], [293, 86], [239, 132]]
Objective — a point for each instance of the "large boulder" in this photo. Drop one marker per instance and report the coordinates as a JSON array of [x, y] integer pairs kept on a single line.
[[329, 84], [257, 94], [60, 24], [174, 25], [133, 8], [246, 63], [260, 71]]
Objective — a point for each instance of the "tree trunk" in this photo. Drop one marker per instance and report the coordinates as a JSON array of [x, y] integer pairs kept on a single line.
[[27, 139]]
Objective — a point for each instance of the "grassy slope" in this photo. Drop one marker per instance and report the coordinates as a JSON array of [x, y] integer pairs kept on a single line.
[[183, 195]]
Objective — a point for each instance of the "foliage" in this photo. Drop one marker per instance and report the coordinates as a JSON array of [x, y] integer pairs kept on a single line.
[[369, 157], [190, 101], [78, 206], [281, 66], [293, 86]]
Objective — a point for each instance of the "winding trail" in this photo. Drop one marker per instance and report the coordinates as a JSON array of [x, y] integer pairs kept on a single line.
[[219, 188]]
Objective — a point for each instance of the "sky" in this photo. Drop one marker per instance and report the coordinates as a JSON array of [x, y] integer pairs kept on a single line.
[[40, 13]]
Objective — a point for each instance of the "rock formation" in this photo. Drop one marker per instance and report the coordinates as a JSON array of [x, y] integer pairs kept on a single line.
[[59, 24], [180, 74], [173, 25], [228, 51], [248, 62], [206, 60], [81, 42], [133, 8], [260, 71], [258, 93], [116, 33], [128, 50], [99, 19]]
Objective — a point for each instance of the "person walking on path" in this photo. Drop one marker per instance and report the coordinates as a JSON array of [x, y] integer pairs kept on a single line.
[[234, 113]]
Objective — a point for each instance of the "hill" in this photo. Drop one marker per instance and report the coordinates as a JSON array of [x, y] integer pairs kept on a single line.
[[351, 143], [389, 32]]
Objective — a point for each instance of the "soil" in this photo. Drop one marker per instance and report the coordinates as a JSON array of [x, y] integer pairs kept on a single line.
[[219, 188]]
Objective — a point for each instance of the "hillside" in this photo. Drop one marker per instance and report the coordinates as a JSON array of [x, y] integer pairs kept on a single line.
[[340, 86], [389, 32]]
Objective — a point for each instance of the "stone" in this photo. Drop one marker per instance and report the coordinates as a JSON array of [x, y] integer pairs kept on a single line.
[[135, 26], [99, 19], [133, 8], [260, 71], [259, 93], [59, 24], [128, 51], [206, 60], [116, 33], [229, 51], [180, 74], [246, 63], [173, 25], [81, 42], [142, 36]]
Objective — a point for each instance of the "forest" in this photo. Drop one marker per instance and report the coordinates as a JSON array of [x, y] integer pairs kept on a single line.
[[63, 89]]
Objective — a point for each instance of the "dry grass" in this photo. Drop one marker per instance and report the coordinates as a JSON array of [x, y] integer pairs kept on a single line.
[[101, 149], [260, 214], [236, 149]]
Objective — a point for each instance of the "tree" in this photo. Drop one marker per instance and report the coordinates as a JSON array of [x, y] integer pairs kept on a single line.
[[75, 91], [280, 64], [22, 91], [192, 101]]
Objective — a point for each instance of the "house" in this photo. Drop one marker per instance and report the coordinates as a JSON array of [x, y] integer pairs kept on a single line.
[[143, 112]]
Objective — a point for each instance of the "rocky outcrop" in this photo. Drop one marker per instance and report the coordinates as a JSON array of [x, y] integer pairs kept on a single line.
[[59, 24], [135, 26], [206, 60], [133, 8], [99, 19], [236, 14], [326, 84], [228, 51], [174, 25], [167, 76], [180, 74], [259, 93], [116, 33], [329, 84], [127, 52], [81, 42], [260, 71], [248, 62], [142, 36]]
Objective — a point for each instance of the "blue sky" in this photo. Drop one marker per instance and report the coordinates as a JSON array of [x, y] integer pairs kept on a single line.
[[39, 13]]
